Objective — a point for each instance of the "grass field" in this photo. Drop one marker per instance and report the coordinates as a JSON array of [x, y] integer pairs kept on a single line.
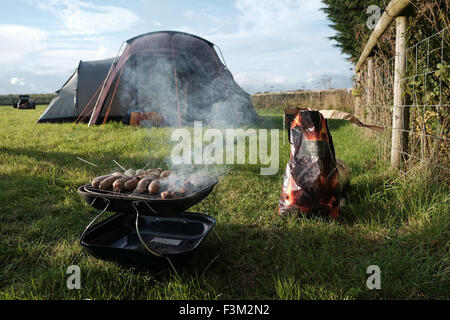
[[398, 222]]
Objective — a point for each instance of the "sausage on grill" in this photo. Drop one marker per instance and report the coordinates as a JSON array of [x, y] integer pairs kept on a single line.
[[131, 184], [165, 174], [107, 183], [130, 173], [187, 188], [167, 195], [153, 187], [118, 185], [143, 185], [153, 170], [96, 181], [152, 173]]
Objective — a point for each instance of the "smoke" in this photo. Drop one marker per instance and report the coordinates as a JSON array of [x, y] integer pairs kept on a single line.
[[146, 86], [184, 87], [198, 180]]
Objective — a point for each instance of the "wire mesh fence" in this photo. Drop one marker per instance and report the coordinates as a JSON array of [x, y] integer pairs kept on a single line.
[[340, 99], [425, 100]]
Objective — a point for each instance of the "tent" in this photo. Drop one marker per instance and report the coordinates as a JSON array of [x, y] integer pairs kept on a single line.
[[77, 91], [177, 75]]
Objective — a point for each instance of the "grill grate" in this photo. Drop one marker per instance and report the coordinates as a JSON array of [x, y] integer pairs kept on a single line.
[[143, 196]]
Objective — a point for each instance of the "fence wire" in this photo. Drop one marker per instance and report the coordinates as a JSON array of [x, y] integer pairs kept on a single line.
[[426, 99]]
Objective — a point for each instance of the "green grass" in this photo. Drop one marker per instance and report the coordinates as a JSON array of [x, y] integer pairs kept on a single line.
[[399, 222]]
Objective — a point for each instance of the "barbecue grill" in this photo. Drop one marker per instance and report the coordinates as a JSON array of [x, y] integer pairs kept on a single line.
[[117, 238], [146, 228], [147, 204]]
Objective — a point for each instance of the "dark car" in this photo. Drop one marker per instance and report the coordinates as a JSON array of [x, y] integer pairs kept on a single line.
[[25, 102]]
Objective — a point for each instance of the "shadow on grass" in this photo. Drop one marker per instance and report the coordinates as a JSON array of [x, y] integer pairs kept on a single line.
[[311, 260], [248, 259], [314, 261], [359, 203]]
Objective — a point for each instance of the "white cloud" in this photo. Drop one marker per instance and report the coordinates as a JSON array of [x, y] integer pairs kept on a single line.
[[31, 50], [16, 81], [47, 57], [18, 41], [273, 45], [265, 16], [102, 52], [82, 36], [268, 45], [265, 81], [84, 18]]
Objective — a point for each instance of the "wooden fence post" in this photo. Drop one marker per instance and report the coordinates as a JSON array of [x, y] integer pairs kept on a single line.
[[358, 95], [398, 146], [369, 97]]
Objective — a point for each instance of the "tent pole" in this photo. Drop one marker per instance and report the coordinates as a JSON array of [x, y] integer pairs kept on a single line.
[[104, 84], [220, 51], [100, 94], [216, 60], [89, 102], [112, 98]]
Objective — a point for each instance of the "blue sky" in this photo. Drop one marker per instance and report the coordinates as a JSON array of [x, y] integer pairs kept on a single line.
[[268, 45]]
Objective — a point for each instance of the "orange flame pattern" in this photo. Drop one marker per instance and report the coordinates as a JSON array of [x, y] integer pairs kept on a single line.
[[311, 181]]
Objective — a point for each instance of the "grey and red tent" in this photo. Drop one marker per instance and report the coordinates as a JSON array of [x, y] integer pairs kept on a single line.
[[175, 74], [76, 91]]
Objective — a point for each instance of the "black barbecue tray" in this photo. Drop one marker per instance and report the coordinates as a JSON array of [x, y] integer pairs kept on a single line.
[[116, 239], [145, 203]]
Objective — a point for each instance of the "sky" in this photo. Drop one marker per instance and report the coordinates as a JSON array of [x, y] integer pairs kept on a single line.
[[267, 45]]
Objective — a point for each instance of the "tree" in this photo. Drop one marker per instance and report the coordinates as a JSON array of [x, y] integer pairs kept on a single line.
[[348, 18]]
